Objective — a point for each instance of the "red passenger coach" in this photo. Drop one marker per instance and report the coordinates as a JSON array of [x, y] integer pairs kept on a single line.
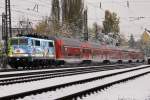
[[68, 50]]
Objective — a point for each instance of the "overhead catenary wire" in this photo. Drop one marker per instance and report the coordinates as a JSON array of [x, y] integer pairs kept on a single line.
[[39, 15]]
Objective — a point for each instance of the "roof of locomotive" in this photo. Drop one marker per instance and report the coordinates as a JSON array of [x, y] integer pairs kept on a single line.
[[33, 37]]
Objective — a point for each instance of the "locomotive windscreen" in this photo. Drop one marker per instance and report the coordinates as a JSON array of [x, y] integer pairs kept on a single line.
[[19, 41]]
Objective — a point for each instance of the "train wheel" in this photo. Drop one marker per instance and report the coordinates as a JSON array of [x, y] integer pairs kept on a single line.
[[106, 62], [120, 61], [137, 61], [130, 61], [148, 61]]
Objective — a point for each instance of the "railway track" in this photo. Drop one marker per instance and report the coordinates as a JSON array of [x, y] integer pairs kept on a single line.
[[84, 85], [83, 93], [59, 67], [25, 76]]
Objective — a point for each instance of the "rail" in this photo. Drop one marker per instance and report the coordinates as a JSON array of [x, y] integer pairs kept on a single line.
[[81, 93]]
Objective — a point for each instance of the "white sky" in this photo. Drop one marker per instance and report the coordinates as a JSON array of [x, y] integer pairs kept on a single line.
[[128, 16]]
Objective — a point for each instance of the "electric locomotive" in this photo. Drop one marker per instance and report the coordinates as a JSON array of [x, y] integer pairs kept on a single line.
[[28, 51]]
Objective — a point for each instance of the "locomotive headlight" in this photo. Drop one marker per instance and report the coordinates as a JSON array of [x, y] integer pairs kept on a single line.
[[18, 51], [11, 55], [25, 55], [19, 55]]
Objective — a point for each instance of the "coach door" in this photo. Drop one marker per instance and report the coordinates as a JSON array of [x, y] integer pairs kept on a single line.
[[86, 53]]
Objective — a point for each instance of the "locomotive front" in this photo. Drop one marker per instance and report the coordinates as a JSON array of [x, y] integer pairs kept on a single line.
[[18, 47], [18, 51], [29, 52]]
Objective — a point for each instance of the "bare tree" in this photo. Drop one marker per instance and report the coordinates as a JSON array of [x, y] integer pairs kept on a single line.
[[55, 16]]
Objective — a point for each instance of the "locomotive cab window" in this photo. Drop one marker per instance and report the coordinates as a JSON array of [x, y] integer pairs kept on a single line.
[[19, 41], [14, 41], [50, 44], [37, 43]]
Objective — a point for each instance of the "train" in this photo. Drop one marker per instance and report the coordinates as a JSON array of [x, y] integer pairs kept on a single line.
[[35, 51]]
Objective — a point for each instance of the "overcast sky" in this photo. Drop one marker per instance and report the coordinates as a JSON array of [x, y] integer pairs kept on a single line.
[[129, 21]]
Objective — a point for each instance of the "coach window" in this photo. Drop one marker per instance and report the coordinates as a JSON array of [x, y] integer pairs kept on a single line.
[[86, 50], [50, 44], [64, 50], [37, 43]]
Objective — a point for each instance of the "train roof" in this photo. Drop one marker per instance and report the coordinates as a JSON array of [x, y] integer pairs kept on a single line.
[[32, 38], [79, 43], [35, 35], [68, 41]]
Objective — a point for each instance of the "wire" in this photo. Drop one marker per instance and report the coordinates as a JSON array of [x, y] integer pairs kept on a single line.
[[46, 4]]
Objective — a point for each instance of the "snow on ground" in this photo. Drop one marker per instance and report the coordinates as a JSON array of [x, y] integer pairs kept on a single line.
[[51, 95], [22, 87], [138, 89], [16, 88]]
